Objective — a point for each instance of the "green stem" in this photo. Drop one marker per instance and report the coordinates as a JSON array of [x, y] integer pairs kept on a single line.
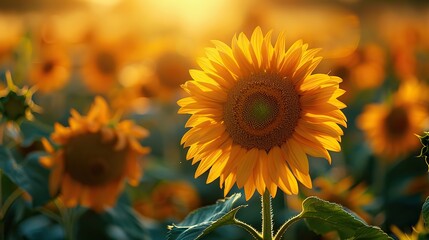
[[66, 218], [9, 201], [2, 126], [50, 214], [255, 234], [285, 226], [42, 126], [267, 217]]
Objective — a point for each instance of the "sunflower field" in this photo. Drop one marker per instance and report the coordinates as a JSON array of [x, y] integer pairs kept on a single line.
[[215, 119]]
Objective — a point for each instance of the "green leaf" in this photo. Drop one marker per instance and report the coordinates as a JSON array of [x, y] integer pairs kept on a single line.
[[31, 176], [425, 212], [322, 217], [204, 220]]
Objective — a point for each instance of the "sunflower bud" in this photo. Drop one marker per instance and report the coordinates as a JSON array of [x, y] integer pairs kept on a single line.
[[425, 142]]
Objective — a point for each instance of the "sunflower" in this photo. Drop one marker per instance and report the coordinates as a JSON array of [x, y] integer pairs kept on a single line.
[[418, 232], [52, 71], [390, 126], [102, 65], [169, 200], [169, 59], [16, 105], [369, 61], [258, 111], [96, 155]]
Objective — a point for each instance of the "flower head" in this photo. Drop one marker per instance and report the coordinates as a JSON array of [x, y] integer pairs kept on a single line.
[[16, 103], [390, 126], [258, 111], [95, 156], [52, 71], [169, 200], [418, 232]]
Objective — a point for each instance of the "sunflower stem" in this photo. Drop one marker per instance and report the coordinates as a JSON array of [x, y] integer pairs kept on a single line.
[[9, 201], [2, 127], [267, 217], [286, 225], [66, 219]]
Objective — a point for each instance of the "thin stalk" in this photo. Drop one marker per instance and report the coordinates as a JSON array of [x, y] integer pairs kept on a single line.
[[286, 225], [50, 214], [66, 218], [2, 126], [255, 234], [9, 201], [267, 217]]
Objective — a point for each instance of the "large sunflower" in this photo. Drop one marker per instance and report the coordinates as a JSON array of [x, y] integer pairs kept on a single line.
[[96, 155], [258, 111]]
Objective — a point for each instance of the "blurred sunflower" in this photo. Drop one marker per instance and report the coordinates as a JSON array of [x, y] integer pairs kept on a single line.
[[102, 65], [138, 88], [171, 69], [169, 200], [12, 27], [97, 153], [419, 232], [404, 32], [52, 70], [390, 127], [16, 105], [413, 91], [362, 69], [257, 111], [160, 80], [170, 59], [343, 192]]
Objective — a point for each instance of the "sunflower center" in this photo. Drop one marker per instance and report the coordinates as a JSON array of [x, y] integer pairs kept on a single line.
[[261, 111], [91, 161], [397, 122], [48, 66], [106, 63], [13, 106]]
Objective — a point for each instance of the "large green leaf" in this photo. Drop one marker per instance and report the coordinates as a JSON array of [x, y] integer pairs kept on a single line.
[[204, 220], [31, 176], [322, 217]]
